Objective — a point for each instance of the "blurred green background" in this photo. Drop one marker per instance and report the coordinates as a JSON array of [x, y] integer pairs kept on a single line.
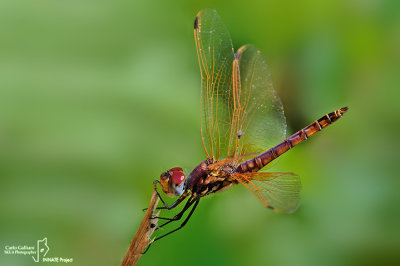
[[97, 98]]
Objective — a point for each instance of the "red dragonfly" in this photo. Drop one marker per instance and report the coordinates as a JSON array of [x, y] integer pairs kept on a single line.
[[242, 116]]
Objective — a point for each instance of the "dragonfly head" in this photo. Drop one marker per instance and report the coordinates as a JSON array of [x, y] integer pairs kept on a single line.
[[173, 182]]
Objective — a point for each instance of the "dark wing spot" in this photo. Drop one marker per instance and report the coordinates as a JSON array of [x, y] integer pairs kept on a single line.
[[239, 134], [196, 23]]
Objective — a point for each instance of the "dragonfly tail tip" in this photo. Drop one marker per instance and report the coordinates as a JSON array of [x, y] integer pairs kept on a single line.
[[344, 109]]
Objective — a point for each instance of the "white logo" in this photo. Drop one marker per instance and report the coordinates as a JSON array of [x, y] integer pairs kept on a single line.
[[42, 248], [37, 253]]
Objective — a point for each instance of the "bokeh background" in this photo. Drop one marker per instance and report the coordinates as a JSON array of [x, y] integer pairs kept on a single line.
[[97, 98]]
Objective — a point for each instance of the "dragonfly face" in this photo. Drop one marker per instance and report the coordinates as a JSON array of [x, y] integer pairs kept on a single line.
[[173, 182]]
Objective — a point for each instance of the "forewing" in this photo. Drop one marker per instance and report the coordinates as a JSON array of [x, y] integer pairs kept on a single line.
[[262, 123], [279, 191], [215, 54]]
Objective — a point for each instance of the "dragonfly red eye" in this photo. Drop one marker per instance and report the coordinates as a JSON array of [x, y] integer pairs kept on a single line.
[[177, 175]]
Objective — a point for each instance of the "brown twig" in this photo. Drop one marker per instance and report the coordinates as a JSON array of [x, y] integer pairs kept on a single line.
[[143, 234]]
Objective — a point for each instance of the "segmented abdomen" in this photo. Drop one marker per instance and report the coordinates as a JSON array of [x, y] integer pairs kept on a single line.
[[261, 160]]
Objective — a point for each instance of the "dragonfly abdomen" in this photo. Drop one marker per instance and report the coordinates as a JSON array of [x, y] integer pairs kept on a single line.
[[255, 164]]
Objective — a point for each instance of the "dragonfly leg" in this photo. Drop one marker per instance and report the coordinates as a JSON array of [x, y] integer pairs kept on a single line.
[[180, 227], [184, 222], [179, 215], [147, 248], [173, 205]]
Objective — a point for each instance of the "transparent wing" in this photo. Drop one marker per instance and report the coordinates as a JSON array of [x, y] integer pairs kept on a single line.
[[262, 123], [277, 191], [215, 54], [241, 112]]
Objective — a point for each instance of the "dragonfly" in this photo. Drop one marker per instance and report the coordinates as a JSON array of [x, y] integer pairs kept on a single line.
[[241, 117]]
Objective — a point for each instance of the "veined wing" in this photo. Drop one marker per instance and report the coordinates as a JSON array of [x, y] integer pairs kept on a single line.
[[241, 112], [215, 54], [277, 191], [261, 121]]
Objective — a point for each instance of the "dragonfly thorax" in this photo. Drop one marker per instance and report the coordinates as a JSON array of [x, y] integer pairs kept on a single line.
[[173, 182]]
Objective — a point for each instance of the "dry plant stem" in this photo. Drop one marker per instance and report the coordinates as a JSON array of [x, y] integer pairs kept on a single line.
[[143, 234]]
